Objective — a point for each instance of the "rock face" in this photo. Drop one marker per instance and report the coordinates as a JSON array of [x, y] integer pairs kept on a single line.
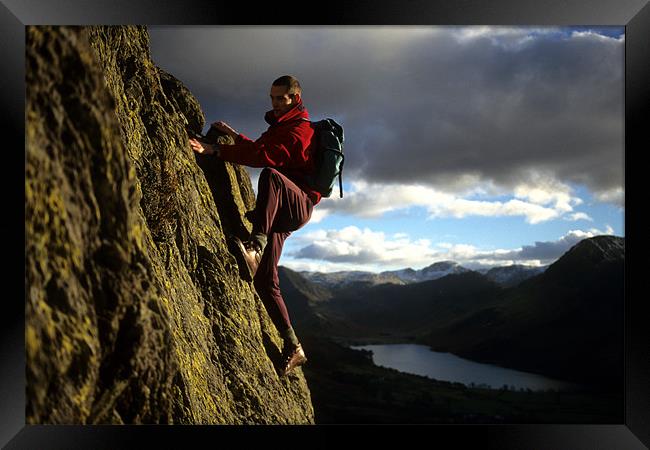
[[135, 309]]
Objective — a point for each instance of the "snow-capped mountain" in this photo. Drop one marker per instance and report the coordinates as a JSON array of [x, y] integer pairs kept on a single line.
[[347, 278], [432, 272], [404, 276], [508, 276]]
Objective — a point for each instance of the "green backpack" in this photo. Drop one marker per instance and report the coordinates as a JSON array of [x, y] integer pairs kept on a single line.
[[328, 151]]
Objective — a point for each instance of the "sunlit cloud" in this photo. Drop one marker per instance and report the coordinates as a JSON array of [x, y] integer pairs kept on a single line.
[[579, 216], [363, 246], [353, 248], [535, 203]]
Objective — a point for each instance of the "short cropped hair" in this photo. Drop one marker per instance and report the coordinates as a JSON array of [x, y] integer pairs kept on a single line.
[[291, 83]]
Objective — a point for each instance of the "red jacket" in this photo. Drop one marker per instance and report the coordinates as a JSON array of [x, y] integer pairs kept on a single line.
[[285, 146]]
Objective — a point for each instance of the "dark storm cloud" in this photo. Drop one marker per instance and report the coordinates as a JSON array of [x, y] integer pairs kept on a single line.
[[323, 252], [554, 249], [424, 105], [546, 252]]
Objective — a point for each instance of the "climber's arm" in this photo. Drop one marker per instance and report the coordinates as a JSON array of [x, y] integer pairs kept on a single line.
[[203, 147], [226, 129]]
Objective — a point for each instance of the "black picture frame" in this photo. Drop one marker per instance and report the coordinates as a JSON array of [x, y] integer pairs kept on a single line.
[[634, 15]]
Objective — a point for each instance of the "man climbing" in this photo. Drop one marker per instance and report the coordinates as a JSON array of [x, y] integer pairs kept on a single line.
[[284, 200]]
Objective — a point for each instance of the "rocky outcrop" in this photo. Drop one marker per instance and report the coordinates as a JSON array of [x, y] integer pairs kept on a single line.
[[135, 309]]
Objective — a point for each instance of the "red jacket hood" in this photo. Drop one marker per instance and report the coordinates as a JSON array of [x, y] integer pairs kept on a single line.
[[299, 111]]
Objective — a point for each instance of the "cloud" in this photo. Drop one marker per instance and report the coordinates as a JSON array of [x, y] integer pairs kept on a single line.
[[551, 250], [435, 106], [539, 200], [552, 104], [579, 216], [615, 196], [362, 246], [352, 248]]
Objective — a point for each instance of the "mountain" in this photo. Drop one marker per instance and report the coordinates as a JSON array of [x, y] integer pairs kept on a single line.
[[505, 276], [135, 311], [536, 325], [509, 276], [302, 298], [310, 315], [432, 272], [346, 279], [566, 322], [390, 311], [409, 310]]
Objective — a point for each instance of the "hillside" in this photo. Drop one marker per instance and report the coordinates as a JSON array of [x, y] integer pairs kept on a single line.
[[135, 310], [566, 322], [412, 309], [386, 312]]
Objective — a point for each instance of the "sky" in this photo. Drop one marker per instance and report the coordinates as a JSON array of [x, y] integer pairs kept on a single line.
[[487, 146]]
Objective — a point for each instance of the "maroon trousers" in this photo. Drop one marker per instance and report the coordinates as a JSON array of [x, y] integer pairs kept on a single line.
[[281, 208]]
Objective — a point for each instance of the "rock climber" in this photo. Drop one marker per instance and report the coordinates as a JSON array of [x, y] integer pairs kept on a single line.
[[284, 200]]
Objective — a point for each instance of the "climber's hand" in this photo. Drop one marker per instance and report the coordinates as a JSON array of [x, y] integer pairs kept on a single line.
[[225, 128], [201, 147]]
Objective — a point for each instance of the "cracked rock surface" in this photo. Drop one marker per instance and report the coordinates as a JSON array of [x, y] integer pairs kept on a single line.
[[135, 308]]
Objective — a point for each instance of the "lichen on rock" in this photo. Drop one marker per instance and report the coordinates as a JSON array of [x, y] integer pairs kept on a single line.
[[135, 308]]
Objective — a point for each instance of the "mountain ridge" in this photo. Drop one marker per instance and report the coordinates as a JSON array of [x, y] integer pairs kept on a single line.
[[503, 275]]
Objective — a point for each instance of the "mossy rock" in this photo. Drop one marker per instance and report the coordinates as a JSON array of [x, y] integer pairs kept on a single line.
[[136, 312]]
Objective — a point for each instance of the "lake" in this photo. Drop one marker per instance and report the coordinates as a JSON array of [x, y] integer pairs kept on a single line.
[[420, 360]]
